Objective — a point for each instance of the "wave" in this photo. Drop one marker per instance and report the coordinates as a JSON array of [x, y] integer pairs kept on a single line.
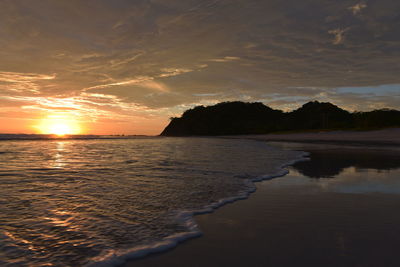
[[186, 218]]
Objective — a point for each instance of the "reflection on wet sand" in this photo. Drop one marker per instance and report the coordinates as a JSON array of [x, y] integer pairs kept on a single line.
[[328, 162]]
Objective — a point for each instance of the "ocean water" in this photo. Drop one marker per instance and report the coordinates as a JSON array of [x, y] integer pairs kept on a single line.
[[100, 201]]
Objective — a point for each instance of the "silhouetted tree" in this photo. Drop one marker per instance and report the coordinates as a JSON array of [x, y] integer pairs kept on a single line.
[[230, 118]]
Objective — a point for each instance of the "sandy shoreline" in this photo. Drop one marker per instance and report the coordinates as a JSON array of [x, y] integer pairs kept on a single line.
[[379, 137], [245, 234]]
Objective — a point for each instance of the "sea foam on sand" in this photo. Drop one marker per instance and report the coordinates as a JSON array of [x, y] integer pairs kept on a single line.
[[186, 218]]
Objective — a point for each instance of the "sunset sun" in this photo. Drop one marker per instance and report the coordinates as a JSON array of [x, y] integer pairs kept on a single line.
[[60, 129], [59, 126]]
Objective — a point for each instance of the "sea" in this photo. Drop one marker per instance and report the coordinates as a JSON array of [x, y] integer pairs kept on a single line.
[[100, 201]]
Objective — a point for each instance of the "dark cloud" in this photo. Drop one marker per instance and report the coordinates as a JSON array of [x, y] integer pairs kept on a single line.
[[170, 54]]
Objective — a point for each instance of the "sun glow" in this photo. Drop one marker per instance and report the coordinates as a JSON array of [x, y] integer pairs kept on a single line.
[[59, 126]]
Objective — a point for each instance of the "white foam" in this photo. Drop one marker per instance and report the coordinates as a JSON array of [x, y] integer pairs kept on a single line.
[[186, 218]]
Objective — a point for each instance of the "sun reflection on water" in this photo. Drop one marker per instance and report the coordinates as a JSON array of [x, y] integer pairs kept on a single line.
[[59, 161]]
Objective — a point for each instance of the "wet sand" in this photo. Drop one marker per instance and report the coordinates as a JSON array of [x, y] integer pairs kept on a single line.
[[338, 209], [386, 137]]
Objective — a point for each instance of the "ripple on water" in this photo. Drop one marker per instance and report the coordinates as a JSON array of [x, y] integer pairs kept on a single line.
[[74, 202]]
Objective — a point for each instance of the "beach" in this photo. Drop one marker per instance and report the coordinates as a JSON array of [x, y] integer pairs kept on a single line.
[[191, 201], [338, 209], [387, 137]]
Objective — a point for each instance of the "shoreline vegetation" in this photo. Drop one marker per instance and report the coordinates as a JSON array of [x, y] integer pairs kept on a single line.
[[240, 118]]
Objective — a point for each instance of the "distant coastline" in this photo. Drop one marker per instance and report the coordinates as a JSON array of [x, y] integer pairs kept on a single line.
[[240, 118], [5, 137]]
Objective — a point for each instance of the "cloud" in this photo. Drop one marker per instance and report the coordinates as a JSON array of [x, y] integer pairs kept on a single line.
[[125, 59], [224, 59], [15, 77], [22, 82], [136, 80], [339, 35], [155, 86], [119, 62], [356, 9], [169, 72]]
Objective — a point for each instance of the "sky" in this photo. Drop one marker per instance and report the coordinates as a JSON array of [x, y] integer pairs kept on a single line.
[[127, 66]]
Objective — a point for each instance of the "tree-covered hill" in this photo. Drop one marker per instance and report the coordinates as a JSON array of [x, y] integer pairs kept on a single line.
[[231, 118], [316, 115]]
